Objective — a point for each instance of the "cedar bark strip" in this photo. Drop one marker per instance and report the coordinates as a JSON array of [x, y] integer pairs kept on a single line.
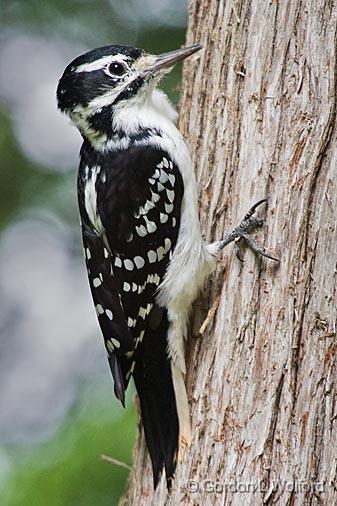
[[258, 110]]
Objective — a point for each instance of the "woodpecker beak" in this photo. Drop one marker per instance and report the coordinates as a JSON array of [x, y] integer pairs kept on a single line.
[[167, 60]]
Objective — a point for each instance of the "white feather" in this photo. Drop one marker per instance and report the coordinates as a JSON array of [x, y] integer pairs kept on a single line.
[[90, 200], [101, 63]]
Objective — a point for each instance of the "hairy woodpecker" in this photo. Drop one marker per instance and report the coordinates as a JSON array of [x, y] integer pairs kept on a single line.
[[144, 251]]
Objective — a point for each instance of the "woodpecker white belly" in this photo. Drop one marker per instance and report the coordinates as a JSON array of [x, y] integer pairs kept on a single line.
[[145, 256]]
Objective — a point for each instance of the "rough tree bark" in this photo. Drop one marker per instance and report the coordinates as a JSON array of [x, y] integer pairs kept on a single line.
[[258, 110]]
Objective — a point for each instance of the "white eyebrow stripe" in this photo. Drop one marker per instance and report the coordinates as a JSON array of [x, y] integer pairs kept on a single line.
[[101, 63]]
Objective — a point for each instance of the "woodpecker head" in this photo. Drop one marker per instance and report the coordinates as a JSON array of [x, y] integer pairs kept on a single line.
[[99, 82]]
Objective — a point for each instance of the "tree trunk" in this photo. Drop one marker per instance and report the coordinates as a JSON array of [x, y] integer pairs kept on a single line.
[[258, 110]]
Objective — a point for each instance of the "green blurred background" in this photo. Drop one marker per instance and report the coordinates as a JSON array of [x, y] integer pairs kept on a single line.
[[58, 414]]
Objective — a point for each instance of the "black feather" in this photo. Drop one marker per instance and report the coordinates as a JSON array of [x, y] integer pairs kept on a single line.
[[153, 380]]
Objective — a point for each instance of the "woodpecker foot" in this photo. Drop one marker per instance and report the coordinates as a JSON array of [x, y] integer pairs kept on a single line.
[[240, 234]]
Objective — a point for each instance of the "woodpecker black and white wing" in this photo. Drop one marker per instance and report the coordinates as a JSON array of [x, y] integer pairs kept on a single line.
[[130, 203], [108, 306], [140, 213]]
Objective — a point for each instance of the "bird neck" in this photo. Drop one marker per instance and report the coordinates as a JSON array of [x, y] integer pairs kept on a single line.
[[115, 127]]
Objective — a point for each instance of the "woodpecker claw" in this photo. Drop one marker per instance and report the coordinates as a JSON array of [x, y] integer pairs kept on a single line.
[[240, 234], [238, 249]]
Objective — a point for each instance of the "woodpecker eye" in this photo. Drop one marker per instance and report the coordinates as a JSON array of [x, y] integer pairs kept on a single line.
[[116, 68]]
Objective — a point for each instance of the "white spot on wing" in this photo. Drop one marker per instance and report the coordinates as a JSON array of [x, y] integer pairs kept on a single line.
[[141, 231], [141, 288], [128, 264], [99, 309], [167, 244], [170, 195], [154, 197], [152, 256], [142, 312], [163, 176], [126, 286], [148, 205], [131, 322], [118, 262], [109, 314], [160, 253], [150, 225], [110, 346], [96, 282], [163, 218], [115, 342], [139, 261], [172, 179]]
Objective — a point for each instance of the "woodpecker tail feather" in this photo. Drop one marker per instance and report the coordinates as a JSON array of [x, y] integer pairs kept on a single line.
[[118, 375], [154, 384]]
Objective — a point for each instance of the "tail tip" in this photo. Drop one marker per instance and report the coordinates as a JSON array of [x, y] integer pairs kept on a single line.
[[120, 395]]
